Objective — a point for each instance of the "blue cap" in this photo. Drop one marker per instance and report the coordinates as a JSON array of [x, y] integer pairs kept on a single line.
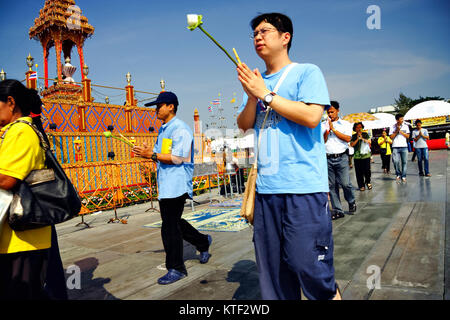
[[166, 97]]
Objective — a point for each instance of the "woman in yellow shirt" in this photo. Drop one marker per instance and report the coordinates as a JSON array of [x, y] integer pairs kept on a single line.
[[385, 151], [23, 254]]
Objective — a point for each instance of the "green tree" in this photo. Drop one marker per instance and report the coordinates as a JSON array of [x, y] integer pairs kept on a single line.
[[404, 103]]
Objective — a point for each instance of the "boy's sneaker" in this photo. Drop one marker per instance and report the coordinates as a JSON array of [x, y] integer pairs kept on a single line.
[[172, 276], [205, 255]]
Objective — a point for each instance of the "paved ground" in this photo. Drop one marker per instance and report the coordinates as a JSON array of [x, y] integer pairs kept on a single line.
[[400, 235]]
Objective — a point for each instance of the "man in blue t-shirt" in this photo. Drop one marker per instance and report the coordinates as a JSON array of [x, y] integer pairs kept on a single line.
[[173, 153], [420, 137], [292, 223]]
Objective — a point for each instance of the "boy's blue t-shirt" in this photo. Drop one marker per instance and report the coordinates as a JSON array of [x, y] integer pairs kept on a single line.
[[175, 180], [292, 157]]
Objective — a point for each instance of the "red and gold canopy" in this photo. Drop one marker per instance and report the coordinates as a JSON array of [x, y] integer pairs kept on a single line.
[[60, 14], [61, 25]]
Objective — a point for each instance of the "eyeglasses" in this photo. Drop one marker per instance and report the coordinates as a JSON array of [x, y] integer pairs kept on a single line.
[[262, 32]]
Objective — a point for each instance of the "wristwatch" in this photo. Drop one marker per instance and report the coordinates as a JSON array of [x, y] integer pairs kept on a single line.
[[268, 98], [154, 156]]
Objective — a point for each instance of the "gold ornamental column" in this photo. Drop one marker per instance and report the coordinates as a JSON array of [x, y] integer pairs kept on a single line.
[[87, 97], [31, 81], [130, 102]]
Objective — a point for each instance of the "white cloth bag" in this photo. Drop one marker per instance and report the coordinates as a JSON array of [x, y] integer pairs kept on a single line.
[[365, 148], [5, 200]]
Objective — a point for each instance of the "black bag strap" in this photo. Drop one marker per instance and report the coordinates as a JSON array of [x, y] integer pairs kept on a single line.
[[50, 160]]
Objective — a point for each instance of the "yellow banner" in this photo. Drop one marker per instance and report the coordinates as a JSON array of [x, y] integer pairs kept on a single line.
[[433, 121]]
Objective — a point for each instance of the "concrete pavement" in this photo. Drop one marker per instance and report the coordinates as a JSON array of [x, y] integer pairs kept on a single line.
[[396, 246]]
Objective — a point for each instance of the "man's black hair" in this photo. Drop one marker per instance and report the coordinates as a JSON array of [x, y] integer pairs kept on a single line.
[[335, 104], [175, 107], [418, 121], [398, 116], [280, 21]]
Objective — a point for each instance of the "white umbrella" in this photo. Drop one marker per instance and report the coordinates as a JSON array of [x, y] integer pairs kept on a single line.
[[428, 109], [385, 120]]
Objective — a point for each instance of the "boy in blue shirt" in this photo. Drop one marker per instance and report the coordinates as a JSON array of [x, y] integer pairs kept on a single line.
[[173, 153], [292, 222]]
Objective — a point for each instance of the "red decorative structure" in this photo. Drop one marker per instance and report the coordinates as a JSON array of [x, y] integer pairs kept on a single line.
[[70, 105], [61, 24]]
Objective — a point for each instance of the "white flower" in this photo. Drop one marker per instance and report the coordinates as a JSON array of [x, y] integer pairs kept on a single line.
[[194, 20]]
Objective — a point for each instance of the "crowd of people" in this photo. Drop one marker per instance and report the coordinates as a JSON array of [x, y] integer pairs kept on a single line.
[[339, 140]]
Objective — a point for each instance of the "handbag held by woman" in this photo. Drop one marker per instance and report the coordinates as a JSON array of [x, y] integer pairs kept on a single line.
[[45, 197]]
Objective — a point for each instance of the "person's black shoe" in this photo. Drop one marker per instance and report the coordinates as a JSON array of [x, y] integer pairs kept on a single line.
[[336, 215], [352, 207]]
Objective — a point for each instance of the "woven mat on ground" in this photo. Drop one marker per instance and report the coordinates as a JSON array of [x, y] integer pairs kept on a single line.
[[228, 203], [218, 220]]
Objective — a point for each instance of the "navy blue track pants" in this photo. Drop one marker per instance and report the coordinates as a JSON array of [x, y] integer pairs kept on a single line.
[[294, 246]]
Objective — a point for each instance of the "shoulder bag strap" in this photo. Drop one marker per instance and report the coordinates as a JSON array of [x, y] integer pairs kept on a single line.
[[44, 144], [280, 81]]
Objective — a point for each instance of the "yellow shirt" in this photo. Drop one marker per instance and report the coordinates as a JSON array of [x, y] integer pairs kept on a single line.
[[385, 145], [20, 153]]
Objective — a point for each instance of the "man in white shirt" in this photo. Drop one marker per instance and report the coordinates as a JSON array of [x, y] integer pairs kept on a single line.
[[420, 136], [337, 133], [399, 133]]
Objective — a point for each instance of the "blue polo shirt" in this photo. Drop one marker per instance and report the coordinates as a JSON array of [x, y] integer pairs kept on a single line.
[[292, 157], [175, 180]]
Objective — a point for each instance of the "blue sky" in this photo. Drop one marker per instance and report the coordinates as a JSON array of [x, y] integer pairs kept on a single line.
[[363, 68]]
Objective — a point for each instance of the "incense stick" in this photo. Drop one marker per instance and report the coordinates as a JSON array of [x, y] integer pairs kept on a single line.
[[237, 57]]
